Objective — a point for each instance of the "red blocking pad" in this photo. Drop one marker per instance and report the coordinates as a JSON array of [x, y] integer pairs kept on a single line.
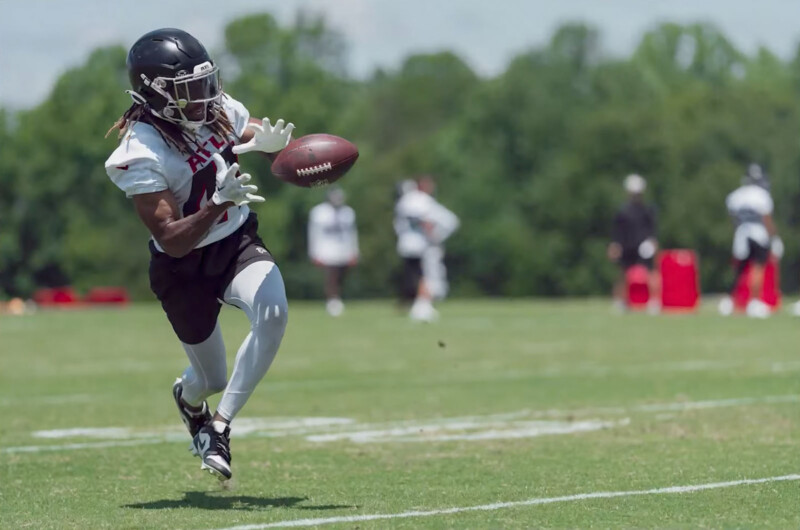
[[680, 279], [636, 280]]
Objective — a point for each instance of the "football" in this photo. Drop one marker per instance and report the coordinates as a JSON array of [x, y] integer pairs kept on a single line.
[[315, 160]]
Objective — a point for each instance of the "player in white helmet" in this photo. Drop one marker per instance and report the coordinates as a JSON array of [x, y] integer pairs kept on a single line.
[[750, 207], [634, 242]]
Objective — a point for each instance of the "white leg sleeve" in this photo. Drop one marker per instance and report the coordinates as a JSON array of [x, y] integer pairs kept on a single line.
[[257, 290], [207, 373]]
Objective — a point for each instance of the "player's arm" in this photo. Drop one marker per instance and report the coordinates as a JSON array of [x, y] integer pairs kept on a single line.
[[767, 207], [769, 224], [179, 235], [175, 234], [652, 227], [776, 244], [354, 242], [614, 250]]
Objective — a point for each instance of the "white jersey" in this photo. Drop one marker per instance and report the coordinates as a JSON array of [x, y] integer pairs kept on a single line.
[[332, 234], [748, 205], [420, 221], [145, 163]]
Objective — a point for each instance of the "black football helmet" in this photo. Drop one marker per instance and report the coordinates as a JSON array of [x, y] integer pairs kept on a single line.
[[172, 73]]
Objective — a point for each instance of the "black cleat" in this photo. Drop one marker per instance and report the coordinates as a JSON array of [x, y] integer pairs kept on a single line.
[[194, 421], [212, 444]]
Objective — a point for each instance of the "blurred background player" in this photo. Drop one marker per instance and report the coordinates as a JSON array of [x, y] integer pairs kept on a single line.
[[411, 241], [750, 207], [634, 243], [333, 244], [441, 225], [422, 225]]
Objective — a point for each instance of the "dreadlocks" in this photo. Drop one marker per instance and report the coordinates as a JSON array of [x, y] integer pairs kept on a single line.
[[170, 132]]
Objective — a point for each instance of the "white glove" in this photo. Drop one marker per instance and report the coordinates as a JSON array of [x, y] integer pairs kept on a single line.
[[647, 249], [776, 247], [266, 138], [230, 187]]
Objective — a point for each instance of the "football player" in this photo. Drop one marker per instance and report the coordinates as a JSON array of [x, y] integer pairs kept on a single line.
[[634, 242], [333, 244], [422, 225], [750, 207], [177, 162]]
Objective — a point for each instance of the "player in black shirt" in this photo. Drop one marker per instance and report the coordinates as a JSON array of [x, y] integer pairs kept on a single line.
[[634, 242]]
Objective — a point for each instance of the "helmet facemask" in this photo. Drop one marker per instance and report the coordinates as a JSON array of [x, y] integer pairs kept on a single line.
[[189, 96]]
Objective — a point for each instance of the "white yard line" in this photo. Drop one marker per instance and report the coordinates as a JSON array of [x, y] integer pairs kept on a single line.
[[64, 399], [675, 406], [469, 431], [513, 504], [88, 445], [489, 426]]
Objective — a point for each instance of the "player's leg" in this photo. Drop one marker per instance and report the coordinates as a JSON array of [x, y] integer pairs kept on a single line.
[[618, 292], [259, 291], [422, 309], [627, 259], [409, 280], [333, 290], [755, 281], [653, 287], [725, 306], [434, 272], [740, 253], [192, 308], [205, 376], [756, 307]]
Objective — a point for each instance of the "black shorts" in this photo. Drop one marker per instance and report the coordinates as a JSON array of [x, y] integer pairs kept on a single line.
[[757, 253], [190, 288], [412, 273], [630, 258]]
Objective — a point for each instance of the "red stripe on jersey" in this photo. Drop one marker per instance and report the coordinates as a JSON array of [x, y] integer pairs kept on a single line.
[[123, 168]]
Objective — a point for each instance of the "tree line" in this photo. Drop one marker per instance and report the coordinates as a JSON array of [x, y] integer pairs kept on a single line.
[[531, 160]]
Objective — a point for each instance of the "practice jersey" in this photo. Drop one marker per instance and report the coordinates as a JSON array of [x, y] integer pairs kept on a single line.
[[634, 223], [145, 163], [420, 221], [747, 206], [332, 234]]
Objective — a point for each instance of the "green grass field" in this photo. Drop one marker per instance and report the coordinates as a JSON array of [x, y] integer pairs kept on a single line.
[[499, 402]]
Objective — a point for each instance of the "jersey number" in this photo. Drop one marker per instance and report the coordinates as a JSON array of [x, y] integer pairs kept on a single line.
[[204, 182]]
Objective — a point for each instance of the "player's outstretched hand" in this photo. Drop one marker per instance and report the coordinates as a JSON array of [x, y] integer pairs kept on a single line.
[[266, 137], [232, 188], [776, 247]]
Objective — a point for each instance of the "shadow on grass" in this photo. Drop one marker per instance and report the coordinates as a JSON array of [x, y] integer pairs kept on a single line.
[[202, 500]]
